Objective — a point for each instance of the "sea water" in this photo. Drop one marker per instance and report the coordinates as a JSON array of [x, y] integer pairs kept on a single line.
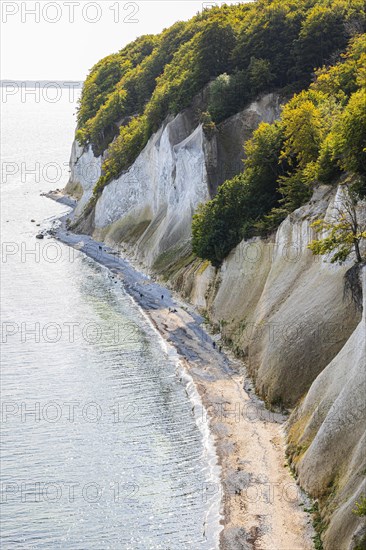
[[100, 444]]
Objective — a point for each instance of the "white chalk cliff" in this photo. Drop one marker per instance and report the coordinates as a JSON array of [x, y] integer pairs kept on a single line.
[[328, 431], [151, 205], [288, 313]]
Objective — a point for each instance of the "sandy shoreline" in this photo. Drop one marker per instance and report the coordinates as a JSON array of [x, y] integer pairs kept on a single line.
[[262, 505]]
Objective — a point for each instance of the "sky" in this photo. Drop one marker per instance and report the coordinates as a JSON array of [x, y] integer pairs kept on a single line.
[[63, 39]]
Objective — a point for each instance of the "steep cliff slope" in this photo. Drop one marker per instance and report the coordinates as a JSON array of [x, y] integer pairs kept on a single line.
[[283, 308], [286, 311], [294, 319], [150, 206], [328, 440]]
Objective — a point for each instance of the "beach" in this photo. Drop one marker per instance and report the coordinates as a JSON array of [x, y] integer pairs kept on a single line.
[[262, 506]]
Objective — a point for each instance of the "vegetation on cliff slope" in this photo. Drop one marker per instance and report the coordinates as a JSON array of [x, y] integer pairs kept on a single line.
[[343, 234], [240, 51], [320, 136]]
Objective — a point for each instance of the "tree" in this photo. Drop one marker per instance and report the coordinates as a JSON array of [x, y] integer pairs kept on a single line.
[[208, 124], [260, 75], [219, 225], [214, 46], [270, 36], [322, 34], [228, 94], [218, 92], [239, 51], [303, 128], [295, 190], [350, 135], [344, 232]]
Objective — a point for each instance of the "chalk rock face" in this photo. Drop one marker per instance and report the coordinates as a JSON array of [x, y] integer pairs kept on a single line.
[[159, 193], [303, 336], [328, 437], [150, 206], [85, 171], [282, 307], [304, 339], [224, 153]]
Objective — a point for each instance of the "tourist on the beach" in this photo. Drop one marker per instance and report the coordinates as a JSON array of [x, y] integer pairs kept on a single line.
[[214, 344], [220, 348], [162, 296]]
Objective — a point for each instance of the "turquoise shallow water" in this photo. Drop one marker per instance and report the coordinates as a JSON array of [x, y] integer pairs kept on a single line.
[[100, 448]]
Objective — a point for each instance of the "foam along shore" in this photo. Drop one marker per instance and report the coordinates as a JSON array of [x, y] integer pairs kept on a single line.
[[261, 504]]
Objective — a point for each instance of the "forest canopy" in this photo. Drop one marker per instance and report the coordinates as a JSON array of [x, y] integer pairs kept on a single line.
[[320, 136], [240, 50]]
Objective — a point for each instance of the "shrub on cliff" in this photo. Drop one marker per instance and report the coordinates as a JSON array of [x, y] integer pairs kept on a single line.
[[228, 94], [344, 233]]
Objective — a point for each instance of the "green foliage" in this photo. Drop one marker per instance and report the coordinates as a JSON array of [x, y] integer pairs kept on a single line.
[[322, 33], [219, 97], [260, 75], [99, 85], [122, 150], [360, 507], [269, 34], [327, 169], [321, 134], [214, 233], [223, 222], [101, 129], [147, 57], [228, 94], [303, 125], [349, 135], [188, 58], [342, 234], [295, 190], [343, 147], [345, 77], [208, 125], [318, 524], [105, 75], [324, 135], [240, 51], [232, 54], [213, 47]]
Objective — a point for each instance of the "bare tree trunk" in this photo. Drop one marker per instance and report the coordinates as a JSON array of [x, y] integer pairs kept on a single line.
[[357, 250]]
